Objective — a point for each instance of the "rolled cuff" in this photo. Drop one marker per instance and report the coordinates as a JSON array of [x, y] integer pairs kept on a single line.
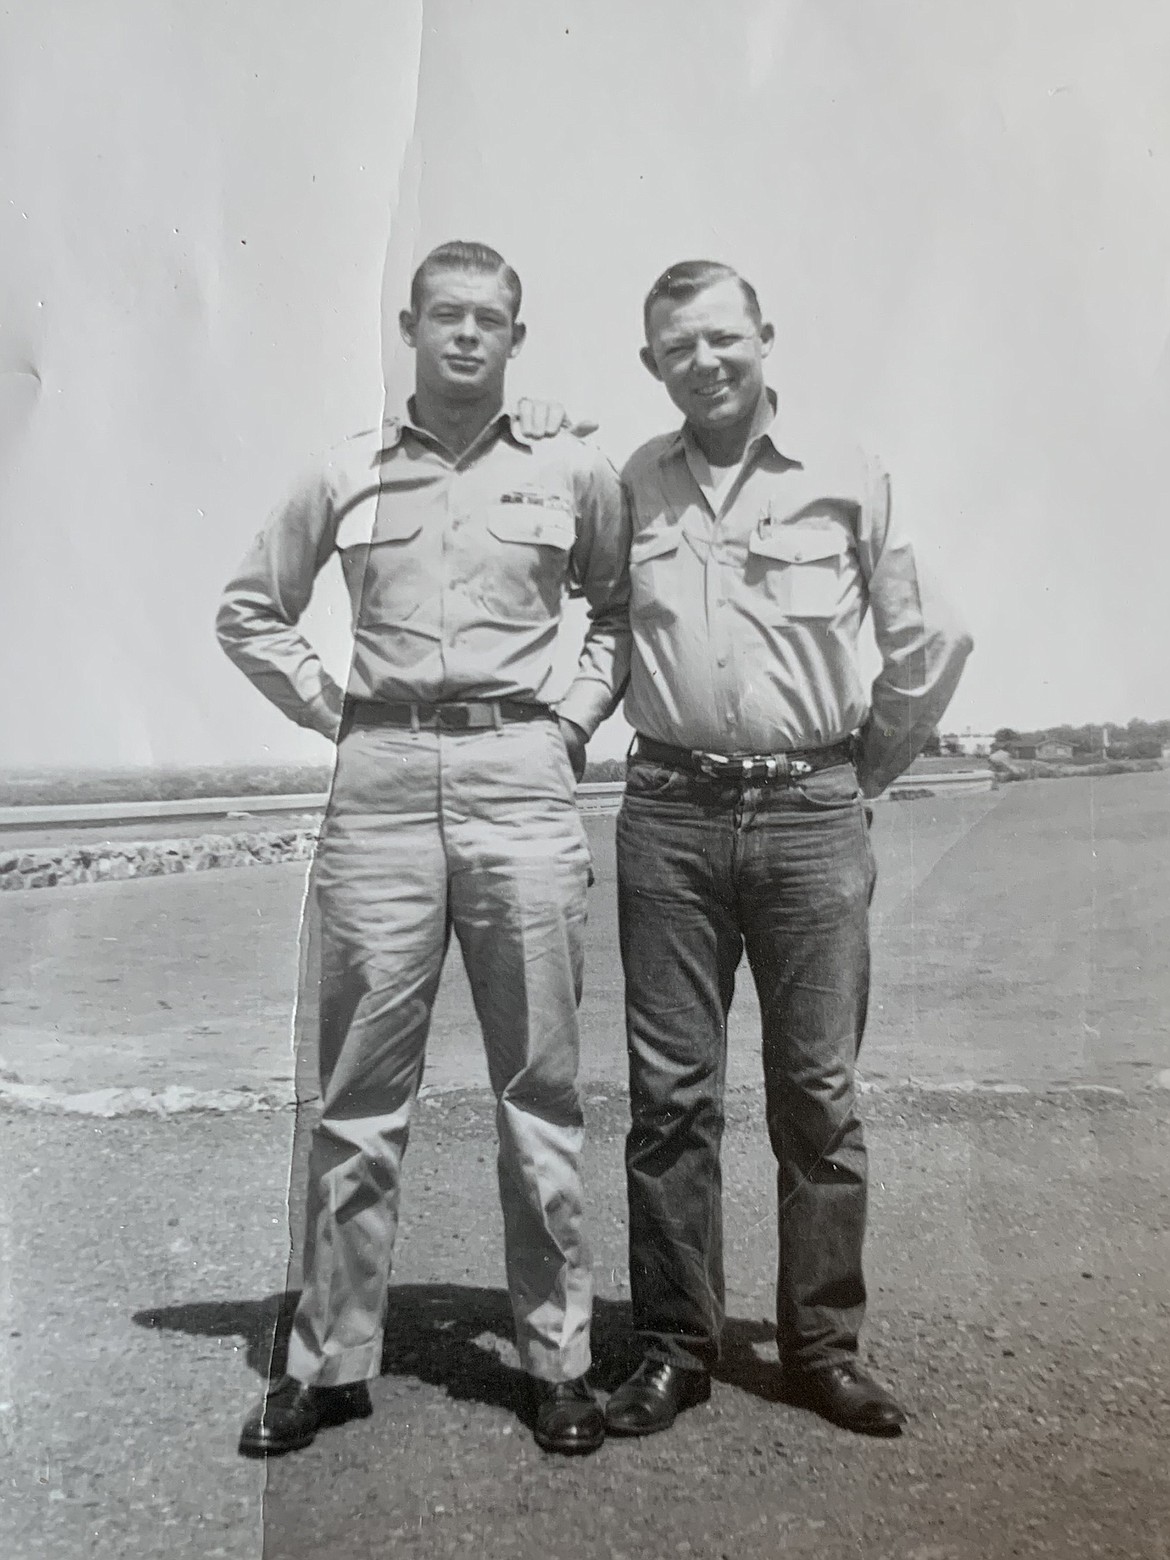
[[586, 704], [323, 713]]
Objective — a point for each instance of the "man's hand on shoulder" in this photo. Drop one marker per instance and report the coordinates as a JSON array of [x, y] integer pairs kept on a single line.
[[544, 419], [575, 740]]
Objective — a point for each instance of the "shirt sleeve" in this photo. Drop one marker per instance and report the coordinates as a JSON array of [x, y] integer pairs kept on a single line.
[[600, 566], [257, 620], [922, 644]]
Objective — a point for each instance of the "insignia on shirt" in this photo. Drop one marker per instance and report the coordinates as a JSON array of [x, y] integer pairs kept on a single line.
[[534, 496]]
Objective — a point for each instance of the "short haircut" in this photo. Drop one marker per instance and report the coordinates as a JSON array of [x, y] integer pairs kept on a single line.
[[459, 255], [684, 280]]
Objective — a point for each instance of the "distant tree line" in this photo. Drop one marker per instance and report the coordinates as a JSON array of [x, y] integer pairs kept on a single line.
[[605, 769], [1135, 739]]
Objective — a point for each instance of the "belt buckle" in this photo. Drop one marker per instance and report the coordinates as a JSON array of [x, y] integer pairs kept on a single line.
[[713, 765], [762, 766], [718, 767], [799, 767], [454, 717]]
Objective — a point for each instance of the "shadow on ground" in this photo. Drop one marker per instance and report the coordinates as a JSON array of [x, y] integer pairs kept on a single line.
[[443, 1334]]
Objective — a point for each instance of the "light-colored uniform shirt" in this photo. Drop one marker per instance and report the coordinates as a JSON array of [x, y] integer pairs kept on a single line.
[[456, 569], [747, 596]]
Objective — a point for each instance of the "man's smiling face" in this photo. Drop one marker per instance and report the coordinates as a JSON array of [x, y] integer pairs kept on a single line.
[[709, 353]]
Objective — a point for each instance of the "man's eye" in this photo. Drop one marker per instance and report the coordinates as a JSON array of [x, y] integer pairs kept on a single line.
[[491, 321]]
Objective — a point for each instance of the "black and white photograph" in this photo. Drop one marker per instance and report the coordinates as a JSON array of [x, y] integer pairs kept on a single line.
[[585, 780]]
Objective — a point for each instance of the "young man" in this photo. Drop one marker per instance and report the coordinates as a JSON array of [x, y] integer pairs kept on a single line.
[[452, 807], [753, 563]]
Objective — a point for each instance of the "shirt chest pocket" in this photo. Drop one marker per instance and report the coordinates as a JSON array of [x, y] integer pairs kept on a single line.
[[654, 574], [383, 561], [795, 572], [526, 565]]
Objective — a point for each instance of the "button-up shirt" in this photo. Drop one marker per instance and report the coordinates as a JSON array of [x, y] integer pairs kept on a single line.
[[456, 568], [747, 598]]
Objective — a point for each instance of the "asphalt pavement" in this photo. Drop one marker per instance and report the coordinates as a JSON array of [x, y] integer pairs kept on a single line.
[[1019, 1269], [1019, 939], [1017, 1067]]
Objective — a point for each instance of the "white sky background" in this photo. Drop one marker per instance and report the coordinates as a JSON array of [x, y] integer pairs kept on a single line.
[[957, 212]]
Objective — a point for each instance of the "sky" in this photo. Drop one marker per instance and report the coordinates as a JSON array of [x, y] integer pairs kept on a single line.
[[957, 216]]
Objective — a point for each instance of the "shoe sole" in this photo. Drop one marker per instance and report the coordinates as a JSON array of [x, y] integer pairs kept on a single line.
[[249, 1447], [884, 1431], [632, 1431], [575, 1449]]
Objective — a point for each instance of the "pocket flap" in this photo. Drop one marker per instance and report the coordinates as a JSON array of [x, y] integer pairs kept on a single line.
[[793, 544], [656, 545], [532, 524]]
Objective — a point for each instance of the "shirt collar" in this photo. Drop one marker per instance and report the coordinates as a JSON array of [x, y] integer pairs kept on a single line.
[[764, 429], [393, 428]]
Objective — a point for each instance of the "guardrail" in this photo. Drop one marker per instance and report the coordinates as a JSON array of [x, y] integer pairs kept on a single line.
[[593, 797]]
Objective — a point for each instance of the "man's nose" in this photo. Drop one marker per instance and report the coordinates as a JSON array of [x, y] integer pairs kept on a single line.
[[468, 329], [703, 359]]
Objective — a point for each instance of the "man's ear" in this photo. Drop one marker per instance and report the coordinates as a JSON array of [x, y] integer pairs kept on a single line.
[[408, 325], [767, 338], [649, 364], [519, 335]]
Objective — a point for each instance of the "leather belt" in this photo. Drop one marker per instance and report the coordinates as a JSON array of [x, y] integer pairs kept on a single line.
[[469, 715], [749, 768]]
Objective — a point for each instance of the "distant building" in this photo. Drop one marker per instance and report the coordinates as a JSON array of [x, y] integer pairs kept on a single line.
[[969, 743], [1052, 750]]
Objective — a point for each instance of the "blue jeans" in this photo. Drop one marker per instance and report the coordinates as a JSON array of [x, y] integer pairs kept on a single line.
[[706, 870]]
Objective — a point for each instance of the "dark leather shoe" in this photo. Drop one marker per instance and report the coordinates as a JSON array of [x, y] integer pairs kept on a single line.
[[289, 1415], [568, 1419], [844, 1393], [654, 1396]]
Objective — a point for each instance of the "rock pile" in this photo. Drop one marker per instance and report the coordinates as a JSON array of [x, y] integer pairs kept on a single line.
[[109, 861]]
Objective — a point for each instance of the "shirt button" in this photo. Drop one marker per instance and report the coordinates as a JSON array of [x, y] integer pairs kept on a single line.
[[721, 661]]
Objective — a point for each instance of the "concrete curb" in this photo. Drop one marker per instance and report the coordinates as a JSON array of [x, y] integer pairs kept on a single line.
[[178, 1100], [112, 861]]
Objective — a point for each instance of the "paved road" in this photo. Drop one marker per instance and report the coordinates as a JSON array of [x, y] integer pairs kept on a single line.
[[1020, 1275], [1019, 1256], [1019, 937]]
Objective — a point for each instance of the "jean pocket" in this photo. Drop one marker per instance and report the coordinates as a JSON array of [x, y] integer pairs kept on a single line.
[[645, 780], [829, 790]]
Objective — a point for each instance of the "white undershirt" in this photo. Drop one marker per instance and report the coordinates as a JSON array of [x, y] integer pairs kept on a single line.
[[715, 482]]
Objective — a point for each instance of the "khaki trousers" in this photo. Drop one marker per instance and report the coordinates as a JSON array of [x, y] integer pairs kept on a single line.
[[428, 832]]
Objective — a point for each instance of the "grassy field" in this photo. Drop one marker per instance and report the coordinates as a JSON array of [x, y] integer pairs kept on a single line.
[[67, 787]]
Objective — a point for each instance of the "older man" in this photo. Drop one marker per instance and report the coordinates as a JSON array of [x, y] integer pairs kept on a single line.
[[754, 559], [452, 809]]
